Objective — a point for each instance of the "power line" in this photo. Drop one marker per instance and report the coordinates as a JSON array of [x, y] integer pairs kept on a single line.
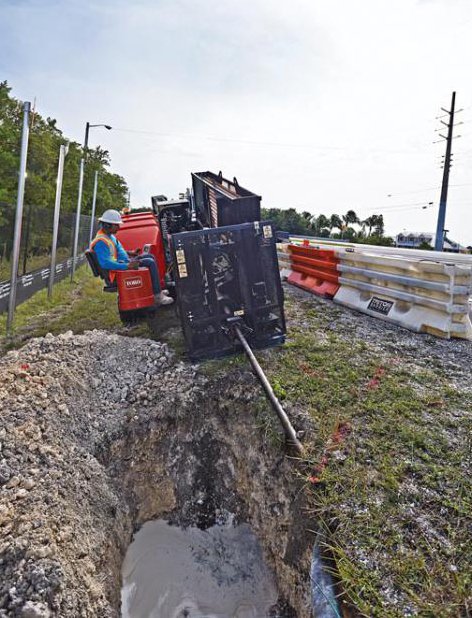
[[235, 140], [388, 209], [228, 139], [465, 184]]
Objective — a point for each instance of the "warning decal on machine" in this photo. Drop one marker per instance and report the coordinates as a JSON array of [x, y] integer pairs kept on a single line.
[[181, 264], [380, 305]]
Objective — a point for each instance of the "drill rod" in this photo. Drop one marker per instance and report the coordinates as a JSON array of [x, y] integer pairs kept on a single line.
[[286, 424]]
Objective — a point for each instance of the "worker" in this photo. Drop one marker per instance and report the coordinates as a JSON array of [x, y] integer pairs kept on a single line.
[[111, 255]]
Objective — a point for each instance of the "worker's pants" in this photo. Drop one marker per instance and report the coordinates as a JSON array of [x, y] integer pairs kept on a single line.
[[149, 262]]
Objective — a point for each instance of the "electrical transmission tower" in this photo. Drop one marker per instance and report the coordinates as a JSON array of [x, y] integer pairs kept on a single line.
[[440, 231]]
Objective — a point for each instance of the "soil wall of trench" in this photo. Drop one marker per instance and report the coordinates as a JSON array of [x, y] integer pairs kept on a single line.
[[100, 433]]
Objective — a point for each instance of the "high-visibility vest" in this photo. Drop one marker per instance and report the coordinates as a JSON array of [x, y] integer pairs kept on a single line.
[[102, 237]]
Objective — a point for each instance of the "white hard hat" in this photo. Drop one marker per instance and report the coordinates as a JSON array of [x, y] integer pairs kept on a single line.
[[111, 216]]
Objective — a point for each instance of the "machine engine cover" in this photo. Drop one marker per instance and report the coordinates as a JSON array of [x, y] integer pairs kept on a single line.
[[225, 274], [140, 229]]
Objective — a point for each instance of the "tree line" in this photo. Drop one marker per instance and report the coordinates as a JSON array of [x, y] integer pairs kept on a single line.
[[43, 153], [348, 226]]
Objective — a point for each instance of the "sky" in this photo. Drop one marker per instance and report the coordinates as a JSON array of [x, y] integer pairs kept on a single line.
[[321, 105]]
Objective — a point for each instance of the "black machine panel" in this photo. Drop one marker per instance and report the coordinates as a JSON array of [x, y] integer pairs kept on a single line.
[[220, 202], [228, 275]]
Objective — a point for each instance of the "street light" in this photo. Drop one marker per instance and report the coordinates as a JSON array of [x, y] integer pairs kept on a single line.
[[88, 126]]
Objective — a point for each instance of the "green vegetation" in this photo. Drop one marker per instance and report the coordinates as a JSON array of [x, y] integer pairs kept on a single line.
[[370, 231], [80, 306], [77, 306], [40, 187], [388, 467], [43, 153]]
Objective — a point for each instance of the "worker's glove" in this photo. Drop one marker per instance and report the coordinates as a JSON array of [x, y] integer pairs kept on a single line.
[[133, 265]]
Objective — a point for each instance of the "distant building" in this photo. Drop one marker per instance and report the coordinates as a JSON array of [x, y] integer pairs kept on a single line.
[[415, 240]]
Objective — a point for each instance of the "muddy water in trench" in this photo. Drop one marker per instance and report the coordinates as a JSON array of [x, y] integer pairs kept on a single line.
[[170, 572]]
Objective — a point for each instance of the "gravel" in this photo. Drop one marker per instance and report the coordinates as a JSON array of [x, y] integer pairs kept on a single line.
[[100, 433], [452, 356], [63, 400]]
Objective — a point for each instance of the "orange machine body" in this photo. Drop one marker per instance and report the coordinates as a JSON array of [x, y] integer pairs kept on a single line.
[[134, 289], [140, 229]]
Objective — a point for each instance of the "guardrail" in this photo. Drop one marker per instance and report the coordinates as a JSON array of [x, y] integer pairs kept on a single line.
[[29, 284]]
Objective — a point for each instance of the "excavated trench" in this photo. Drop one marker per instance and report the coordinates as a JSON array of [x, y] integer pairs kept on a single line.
[[115, 433], [210, 469]]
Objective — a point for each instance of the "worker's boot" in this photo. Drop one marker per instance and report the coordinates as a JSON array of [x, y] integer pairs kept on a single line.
[[162, 299]]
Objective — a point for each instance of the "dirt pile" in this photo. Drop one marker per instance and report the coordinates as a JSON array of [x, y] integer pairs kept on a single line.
[[100, 433]]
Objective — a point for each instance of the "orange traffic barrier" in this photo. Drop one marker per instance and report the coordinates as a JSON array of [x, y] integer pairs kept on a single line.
[[314, 270]]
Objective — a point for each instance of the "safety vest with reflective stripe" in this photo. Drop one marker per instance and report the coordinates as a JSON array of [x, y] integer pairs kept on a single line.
[[102, 237]]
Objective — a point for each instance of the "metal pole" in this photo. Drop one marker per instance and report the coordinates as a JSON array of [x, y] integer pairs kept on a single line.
[[286, 424], [27, 235], [19, 214], [57, 207], [439, 242], [77, 218], [94, 201], [79, 202]]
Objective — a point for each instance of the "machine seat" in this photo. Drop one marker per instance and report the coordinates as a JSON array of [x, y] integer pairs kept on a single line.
[[99, 272]]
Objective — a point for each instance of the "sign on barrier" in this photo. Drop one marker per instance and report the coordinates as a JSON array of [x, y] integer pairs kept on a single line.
[[29, 284]]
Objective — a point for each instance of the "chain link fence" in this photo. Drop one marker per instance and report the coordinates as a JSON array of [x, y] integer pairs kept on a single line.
[[36, 243]]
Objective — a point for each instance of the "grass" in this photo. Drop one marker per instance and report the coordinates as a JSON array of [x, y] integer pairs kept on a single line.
[[389, 461], [76, 306], [80, 306]]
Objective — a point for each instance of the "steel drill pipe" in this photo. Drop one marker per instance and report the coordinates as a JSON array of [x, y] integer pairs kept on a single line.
[[286, 424]]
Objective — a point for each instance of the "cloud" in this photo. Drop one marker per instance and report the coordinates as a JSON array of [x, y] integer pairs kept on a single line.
[[350, 94]]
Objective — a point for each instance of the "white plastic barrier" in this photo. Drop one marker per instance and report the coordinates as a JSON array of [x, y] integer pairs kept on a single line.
[[422, 295], [283, 256]]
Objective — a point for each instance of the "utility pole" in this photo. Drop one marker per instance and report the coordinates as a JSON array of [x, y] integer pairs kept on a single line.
[[439, 243]]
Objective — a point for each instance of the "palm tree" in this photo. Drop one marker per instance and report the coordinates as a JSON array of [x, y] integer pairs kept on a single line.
[[335, 222], [350, 218], [376, 222], [379, 227], [370, 223], [321, 224]]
